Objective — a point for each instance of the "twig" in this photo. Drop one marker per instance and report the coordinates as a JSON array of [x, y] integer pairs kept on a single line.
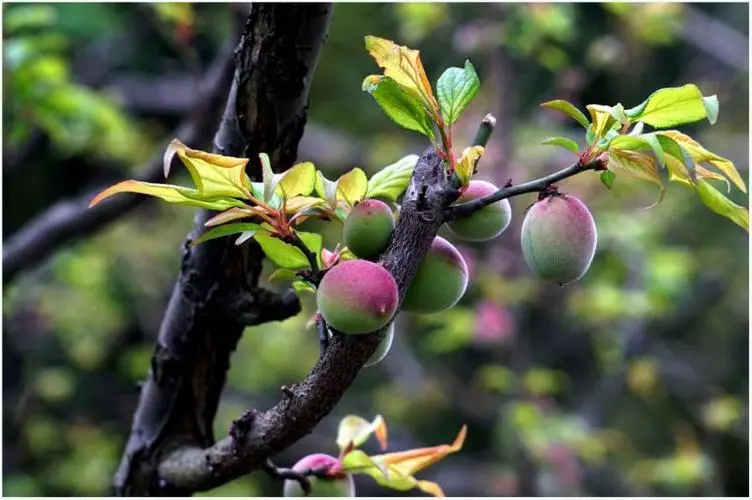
[[72, 219], [468, 208], [300, 476], [485, 130]]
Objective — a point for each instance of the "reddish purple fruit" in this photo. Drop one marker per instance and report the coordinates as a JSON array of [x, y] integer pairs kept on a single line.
[[357, 296], [440, 282], [559, 238], [368, 229], [336, 484], [488, 222]]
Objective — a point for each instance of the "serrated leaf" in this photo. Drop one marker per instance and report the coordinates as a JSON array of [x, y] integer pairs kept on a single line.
[[403, 66], [281, 274], [280, 253], [390, 182], [721, 205], [173, 194], [465, 166], [270, 182], [226, 230], [674, 106], [607, 178], [701, 155], [353, 186], [214, 175], [456, 88], [299, 180], [563, 142], [568, 109], [354, 431], [396, 470], [402, 107]]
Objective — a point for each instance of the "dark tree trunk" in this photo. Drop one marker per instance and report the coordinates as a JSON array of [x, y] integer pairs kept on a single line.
[[216, 294]]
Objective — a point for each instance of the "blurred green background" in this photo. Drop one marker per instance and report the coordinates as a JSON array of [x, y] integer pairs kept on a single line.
[[632, 381]]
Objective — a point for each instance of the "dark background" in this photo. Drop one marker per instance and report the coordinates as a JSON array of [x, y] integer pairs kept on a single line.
[[632, 381]]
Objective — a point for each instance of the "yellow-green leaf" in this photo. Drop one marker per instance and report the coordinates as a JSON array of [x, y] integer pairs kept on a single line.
[[568, 109], [299, 203], [563, 142], [313, 241], [300, 180], [390, 182], [674, 106], [280, 253], [354, 431], [353, 185], [172, 194], [215, 175], [721, 205], [281, 274], [403, 65], [638, 165], [465, 166], [701, 155], [231, 214], [602, 117], [326, 189], [226, 230]]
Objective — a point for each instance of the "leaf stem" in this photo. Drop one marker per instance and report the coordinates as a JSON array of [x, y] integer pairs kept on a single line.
[[468, 208]]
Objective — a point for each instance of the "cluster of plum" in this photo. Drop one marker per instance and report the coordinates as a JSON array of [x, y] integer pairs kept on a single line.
[[360, 296]]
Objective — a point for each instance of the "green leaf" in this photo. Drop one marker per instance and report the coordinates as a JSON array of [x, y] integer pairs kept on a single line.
[[590, 135], [226, 230], [568, 109], [300, 180], [607, 178], [313, 241], [456, 88], [563, 142], [721, 205], [303, 286], [354, 431], [268, 175], [391, 181], [606, 140], [281, 274], [173, 194], [670, 146], [353, 186], [674, 106], [638, 165], [401, 106], [280, 253]]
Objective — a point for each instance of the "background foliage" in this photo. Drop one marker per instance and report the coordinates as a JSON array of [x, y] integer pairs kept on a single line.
[[632, 381]]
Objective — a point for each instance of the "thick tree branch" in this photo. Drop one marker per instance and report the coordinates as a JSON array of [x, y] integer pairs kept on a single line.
[[468, 208], [69, 220], [265, 112]]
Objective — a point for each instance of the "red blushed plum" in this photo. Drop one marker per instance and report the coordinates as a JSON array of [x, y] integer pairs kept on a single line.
[[559, 238], [357, 296], [368, 229], [488, 222], [440, 282], [338, 485]]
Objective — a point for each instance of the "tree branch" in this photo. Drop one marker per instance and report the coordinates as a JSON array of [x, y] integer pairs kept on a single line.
[[468, 208], [69, 220], [265, 112]]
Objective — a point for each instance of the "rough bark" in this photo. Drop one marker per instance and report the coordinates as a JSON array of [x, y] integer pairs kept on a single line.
[[216, 294]]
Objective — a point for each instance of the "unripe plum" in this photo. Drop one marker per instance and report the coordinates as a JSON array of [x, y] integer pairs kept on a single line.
[[357, 296], [383, 349], [488, 222], [440, 282], [559, 238], [338, 485], [368, 228]]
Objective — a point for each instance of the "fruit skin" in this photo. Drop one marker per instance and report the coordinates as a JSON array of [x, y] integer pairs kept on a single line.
[[488, 222], [383, 349], [559, 238], [440, 282], [341, 485], [368, 229], [357, 296]]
